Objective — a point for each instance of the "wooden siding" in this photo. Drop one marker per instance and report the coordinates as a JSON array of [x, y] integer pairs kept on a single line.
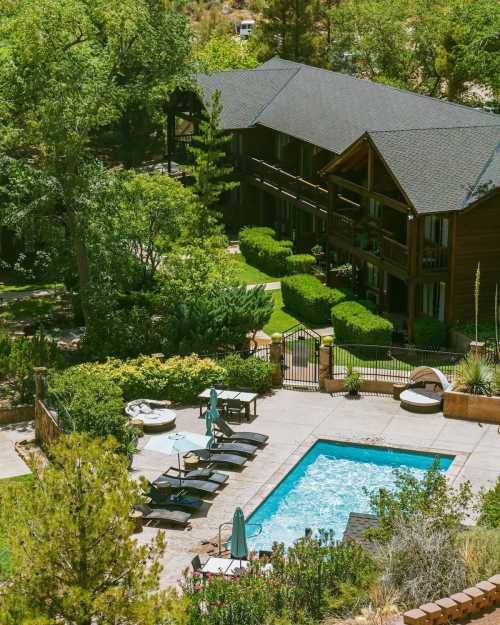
[[477, 240]]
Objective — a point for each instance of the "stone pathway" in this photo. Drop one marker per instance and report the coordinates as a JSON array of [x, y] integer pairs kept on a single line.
[[11, 464], [11, 296], [269, 286]]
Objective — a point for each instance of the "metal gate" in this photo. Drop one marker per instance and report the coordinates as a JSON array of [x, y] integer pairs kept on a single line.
[[300, 358]]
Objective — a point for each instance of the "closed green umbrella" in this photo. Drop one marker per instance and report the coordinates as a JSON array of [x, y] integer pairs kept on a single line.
[[239, 548], [211, 414]]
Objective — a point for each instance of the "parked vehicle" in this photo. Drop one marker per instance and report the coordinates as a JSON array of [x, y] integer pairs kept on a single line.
[[245, 28]]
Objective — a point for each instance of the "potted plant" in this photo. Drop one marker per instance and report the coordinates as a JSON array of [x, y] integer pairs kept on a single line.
[[317, 250], [129, 444], [352, 382]]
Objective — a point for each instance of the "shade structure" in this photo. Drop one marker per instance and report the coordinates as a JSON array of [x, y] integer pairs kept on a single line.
[[429, 375], [239, 548], [177, 443]]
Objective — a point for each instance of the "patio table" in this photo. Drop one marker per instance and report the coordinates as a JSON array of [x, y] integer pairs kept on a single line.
[[216, 566], [245, 398]]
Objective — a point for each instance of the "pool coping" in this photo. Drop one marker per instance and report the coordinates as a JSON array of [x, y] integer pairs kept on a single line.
[[453, 471]]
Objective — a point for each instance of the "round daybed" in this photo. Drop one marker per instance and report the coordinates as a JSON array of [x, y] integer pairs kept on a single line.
[[425, 390], [154, 415]]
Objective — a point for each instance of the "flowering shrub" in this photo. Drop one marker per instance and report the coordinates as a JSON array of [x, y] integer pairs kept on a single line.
[[314, 579]]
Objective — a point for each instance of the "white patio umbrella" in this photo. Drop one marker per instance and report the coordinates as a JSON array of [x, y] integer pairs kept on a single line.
[[177, 443]]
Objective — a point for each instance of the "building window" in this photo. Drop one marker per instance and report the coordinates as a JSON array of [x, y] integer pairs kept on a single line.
[[374, 209], [434, 299], [436, 230], [372, 275]]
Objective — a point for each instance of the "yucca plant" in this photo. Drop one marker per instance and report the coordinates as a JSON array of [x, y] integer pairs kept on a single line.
[[475, 375], [496, 381]]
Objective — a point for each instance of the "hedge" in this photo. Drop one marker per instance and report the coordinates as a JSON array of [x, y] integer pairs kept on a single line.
[[252, 373], [429, 332], [261, 249], [300, 263], [355, 323], [306, 296]]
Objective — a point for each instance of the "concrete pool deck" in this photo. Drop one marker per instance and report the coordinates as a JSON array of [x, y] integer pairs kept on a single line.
[[294, 420]]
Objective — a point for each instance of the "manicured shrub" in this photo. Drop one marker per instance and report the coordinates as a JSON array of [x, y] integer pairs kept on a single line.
[[355, 323], [311, 300], [429, 332], [261, 249], [253, 373], [179, 379], [300, 263]]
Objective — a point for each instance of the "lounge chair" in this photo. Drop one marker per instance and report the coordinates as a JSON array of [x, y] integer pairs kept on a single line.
[[179, 500], [167, 517], [424, 393], [227, 433], [199, 486], [243, 449], [198, 474], [208, 456]]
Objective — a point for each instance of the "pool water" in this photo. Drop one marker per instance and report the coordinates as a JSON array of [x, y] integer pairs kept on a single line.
[[326, 485]]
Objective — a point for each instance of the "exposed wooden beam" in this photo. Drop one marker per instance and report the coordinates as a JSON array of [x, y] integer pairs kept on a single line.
[[371, 165], [352, 186]]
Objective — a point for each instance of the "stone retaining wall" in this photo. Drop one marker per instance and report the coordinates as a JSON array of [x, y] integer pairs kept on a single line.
[[17, 414], [459, 606]]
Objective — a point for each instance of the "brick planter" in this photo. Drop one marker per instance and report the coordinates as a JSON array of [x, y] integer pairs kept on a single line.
[[458, 405], [17, 414]]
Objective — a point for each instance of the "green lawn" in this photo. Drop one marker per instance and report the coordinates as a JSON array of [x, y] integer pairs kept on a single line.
[[281, 320], [4, 554], [22, 288], [248, 274], [30, 308]]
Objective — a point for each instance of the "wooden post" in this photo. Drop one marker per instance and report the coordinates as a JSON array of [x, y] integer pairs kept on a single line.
[[371, 163], [40, 375], [276, 358], [412, 240]]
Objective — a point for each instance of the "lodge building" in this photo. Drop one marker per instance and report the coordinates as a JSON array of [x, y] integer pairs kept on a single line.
[[403, 186]]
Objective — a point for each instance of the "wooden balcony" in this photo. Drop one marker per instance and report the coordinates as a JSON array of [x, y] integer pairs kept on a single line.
[[287, 185], [434, 257], [370, 244]]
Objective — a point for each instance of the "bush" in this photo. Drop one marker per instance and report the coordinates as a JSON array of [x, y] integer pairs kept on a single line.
[[315, 578], [93, 402], [261, 249], [253, 373], [355, 323], [311, 300], [489, 507], [475, 375], [429, 332], [422, 562], [179, 379], [300, 263]]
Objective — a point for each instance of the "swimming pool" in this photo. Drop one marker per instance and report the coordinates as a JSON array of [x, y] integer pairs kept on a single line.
[[326, 485]]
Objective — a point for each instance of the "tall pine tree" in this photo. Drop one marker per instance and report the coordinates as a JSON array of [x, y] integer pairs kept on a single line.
[[209, 171], [289, 30]]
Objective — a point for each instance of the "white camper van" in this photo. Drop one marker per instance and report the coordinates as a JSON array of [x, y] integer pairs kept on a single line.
[[246, 27]]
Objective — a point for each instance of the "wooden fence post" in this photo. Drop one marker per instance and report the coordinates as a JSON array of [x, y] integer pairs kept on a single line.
[[40, 375]]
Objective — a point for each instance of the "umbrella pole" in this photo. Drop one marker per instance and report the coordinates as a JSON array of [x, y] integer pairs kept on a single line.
[[179, 463]]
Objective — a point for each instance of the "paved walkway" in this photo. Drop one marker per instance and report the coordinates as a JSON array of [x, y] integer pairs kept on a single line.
[[10, 296], [269, 286], [11, 464], [294, 419]]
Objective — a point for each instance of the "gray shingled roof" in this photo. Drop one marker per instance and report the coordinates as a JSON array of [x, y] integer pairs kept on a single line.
[[443, 154], [244, 93], [442, 169]]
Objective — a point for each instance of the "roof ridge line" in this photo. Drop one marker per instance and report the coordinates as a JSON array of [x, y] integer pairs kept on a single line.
[[470, 195], [474, 127], [285, 84], [380, 84]]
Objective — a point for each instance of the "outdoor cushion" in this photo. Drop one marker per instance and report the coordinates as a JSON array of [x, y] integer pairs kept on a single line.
[[421, 398]]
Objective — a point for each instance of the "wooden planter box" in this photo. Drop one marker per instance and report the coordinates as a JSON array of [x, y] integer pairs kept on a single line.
[[479, 408]]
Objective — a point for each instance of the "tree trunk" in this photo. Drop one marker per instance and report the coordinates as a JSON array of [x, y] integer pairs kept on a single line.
[[82, 261]]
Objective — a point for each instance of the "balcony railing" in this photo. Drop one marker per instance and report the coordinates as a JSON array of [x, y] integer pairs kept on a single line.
[[434, 257], [342, 226], [394, 251], [281, 180]]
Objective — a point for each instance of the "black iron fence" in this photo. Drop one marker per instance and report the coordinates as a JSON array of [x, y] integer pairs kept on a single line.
[[391, 363], [493, 350]]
